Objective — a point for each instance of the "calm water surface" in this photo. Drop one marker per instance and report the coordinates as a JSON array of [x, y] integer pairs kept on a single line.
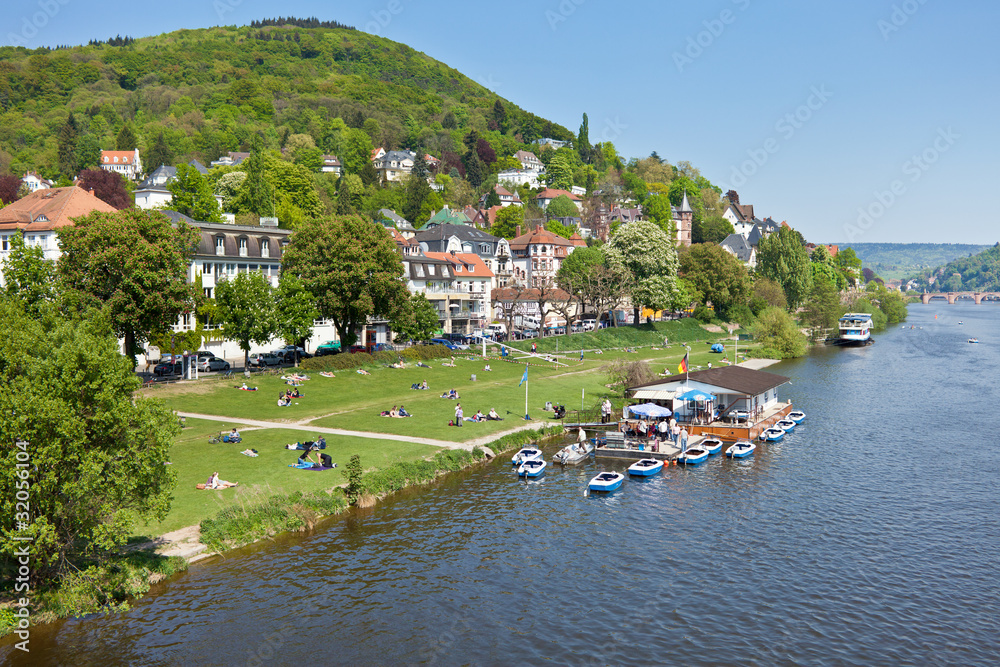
[[869, 536]]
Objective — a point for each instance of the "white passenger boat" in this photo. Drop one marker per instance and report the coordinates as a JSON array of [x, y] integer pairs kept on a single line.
[[855, 329]]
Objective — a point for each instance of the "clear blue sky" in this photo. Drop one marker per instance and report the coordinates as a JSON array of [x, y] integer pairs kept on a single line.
[[860, 120]]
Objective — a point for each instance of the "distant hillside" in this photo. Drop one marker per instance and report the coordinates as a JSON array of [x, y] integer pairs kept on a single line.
[[904, 260], [978, 273], [208, 90]]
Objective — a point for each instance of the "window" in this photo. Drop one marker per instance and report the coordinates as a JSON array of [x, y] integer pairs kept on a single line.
[[243, 247], [4, 243], [220, 245], [430, 269], [265, 248]]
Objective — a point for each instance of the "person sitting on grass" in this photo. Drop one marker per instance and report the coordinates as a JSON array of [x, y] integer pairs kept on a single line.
[[295, 394], [452, 394], [282, 400], [493, 416], [423, 385], [232, 436], [215, 483], [403, 412], [479, 416], [487, 368]]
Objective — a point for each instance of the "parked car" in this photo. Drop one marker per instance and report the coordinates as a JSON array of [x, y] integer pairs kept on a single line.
[[265, 359], [382, 347], [329, 347], [288, 356], [281, 351], [457, 338], [354, 349], [447, 343], [169, 368], [213, 364]]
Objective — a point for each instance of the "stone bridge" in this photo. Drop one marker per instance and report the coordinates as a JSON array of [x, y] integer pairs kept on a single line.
[[954, 296]]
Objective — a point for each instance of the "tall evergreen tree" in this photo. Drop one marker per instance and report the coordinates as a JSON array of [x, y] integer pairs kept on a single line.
[[68, 137], [583, 141], [126, 139], [473, 169], [256, 193], [500, 116], [159, 154]]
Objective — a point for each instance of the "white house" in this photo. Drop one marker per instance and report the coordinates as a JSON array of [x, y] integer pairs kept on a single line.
[[538, 256], [546, 197], [35, 182], [516, 177], [126, 163], [529, 161], [331, 165]]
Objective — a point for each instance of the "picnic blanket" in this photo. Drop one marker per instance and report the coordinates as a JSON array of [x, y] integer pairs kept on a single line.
[[311, 466]]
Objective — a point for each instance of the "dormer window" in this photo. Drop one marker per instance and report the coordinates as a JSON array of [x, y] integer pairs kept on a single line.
[[243, 247], [220, 245], [265, 248], [430, 269]]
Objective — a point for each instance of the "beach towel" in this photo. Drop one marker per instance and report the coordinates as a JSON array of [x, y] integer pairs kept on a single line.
[[249, 452], [311, 466], [327, 375]]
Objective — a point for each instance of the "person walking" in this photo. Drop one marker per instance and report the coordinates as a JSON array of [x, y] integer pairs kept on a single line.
[[663, 430], [675, 431], [684, 439], [458, 415]]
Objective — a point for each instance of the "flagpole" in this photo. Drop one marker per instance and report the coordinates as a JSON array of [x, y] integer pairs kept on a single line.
[[526, 399]]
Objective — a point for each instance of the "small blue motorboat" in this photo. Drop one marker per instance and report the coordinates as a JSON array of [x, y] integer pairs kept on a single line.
[[645, 467], [526, 454], [741, 450], [712, 445], [797, 416], [773, 434], [531, 468], [786, 425], [606, 481], [693, 456]]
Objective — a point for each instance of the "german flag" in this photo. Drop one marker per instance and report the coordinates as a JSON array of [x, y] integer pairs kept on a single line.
[[683, 368]]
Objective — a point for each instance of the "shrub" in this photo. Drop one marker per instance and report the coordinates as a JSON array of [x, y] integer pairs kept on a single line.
[[704, 314], [346, 361], [778, 336], [354, 475]]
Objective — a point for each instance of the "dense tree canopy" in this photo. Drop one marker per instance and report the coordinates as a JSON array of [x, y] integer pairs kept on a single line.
[[718, 276], [28, 276], [108, 186], [783, 258], [193, 196], [245, 308], [352, 267], [134, 263], [97, 450], [647, 254]]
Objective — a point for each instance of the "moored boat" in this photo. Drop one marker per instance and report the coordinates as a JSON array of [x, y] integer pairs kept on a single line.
[[692, 456], [645, 467], [741, 449], [606, 481], [531, 468], [855, 329], [526, 454], [786, 425], [772, 434], [574, 453], [797, 416], [712, 445]]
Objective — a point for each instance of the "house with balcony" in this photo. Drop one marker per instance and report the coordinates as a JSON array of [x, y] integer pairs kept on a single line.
[[34, 181], [538, 254], [472, 283], [494, 251]]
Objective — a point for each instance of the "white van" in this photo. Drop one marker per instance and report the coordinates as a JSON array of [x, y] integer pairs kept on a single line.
[[589, 324], [496, 328]]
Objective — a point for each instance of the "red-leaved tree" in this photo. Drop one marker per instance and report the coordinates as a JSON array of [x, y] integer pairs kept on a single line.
[[9, 185], [108, 186]]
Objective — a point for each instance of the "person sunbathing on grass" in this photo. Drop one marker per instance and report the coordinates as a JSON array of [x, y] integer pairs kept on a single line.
[[362, 371], [246, 388], [215, 483]]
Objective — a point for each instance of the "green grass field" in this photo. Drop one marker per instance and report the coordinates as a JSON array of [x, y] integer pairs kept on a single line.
[[193, 459], [353, 402]]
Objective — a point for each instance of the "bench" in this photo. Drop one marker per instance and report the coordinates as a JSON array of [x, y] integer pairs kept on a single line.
[[615, 440]]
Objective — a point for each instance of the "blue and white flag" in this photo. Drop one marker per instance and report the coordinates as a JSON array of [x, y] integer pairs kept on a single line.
[[524, 378]]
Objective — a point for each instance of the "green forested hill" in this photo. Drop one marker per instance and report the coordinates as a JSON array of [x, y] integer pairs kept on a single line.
[[208, 90], [978, 273], [902, 260]]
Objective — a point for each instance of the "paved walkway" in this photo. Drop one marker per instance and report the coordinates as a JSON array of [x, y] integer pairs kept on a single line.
[[304, 426]]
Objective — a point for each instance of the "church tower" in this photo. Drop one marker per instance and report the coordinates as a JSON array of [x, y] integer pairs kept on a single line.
[[684, 225]]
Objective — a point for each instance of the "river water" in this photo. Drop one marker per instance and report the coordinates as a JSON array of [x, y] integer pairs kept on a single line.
[[869, 536]]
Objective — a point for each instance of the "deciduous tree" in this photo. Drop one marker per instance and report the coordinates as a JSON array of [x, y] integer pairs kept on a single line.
[[353, 268], [417, 319], [97, 449], [784, 259], [28, 276], [506, 222], [193, 196], [647, 254], [296, 310], [717, 275], [10, 189], [245, 309], [108, 186], [562, 207], [133, 263]]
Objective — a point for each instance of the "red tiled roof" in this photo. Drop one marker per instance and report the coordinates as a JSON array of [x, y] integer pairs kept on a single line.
[[537, 236], [51, 208], [552, 193], [117, 157], [578, 240]]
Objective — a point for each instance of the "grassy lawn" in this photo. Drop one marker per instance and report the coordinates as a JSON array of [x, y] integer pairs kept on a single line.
[[193, 459], [687, 330]]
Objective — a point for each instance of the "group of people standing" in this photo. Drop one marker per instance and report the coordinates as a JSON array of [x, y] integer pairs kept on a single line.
[[664, 430]]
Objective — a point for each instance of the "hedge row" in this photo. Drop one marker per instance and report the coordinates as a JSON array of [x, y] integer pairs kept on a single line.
[[346, 361]]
